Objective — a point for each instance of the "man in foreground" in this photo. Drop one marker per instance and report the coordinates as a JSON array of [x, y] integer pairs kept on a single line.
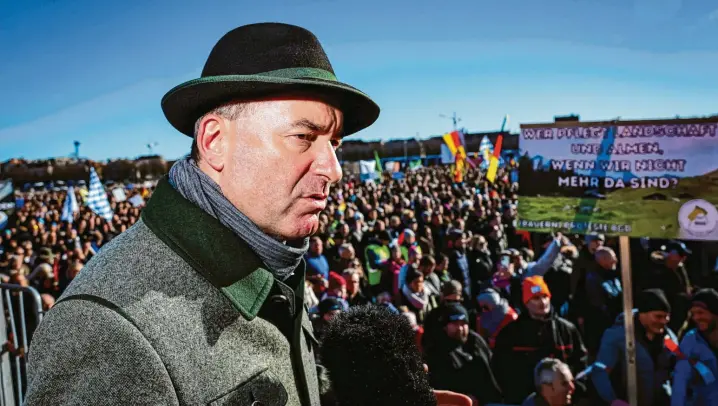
[[554, 384], [201, 302]]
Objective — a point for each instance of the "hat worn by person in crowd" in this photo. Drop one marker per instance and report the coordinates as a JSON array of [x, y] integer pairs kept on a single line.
[[328, 305], [450, 288], [652, 300], [534, 286], [678, 247], [594, 236], [336, 280], [263, 60], [454, 312], [706, 299]]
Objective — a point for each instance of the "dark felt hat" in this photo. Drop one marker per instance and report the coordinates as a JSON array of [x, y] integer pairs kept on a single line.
[[264, 60]]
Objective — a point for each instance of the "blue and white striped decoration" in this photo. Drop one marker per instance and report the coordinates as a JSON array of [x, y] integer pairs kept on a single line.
[[97, 197], [485, 145], [70, 207]]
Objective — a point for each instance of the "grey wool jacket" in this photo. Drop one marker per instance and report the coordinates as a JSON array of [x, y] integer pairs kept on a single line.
[[177, 310]]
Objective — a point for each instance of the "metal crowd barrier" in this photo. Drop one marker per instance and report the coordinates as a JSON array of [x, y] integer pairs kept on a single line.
[[17, 324]]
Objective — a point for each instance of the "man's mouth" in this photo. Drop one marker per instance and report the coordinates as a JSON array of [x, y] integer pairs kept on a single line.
[[318, 196]]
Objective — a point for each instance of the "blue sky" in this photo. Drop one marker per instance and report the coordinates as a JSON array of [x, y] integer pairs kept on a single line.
[[96, 71]]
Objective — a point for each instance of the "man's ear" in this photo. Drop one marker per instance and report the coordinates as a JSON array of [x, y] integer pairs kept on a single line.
[[212, 137]]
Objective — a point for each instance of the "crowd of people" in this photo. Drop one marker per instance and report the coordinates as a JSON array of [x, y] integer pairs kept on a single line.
[[499, 314]]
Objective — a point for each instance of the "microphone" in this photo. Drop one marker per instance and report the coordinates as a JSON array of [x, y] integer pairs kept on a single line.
[[371, 358]]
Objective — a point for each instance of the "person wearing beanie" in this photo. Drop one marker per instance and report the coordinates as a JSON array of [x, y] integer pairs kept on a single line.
[[536, 334], [450, 293], [460, 360], [655, 354], [700, 346], [494, 314], [327, 309], [337, 289]]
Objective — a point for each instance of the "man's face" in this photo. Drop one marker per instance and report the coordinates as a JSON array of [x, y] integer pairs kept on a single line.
[[340, 292], [315, 246], [674, 259], [417, 285], [705, 320], [594, 245], [654, 322], [348, 253], [353, 285], [559, 392], [539, 306], [426, 269], [608, 261], [458, 330], [460, 242], [331, 314], [441, 266], [278, 161]]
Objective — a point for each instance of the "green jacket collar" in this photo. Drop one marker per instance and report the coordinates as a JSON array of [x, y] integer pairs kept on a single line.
[[213, 250]]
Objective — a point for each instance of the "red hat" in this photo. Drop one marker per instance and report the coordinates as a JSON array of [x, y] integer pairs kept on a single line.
[[534, 286], [336, 280]]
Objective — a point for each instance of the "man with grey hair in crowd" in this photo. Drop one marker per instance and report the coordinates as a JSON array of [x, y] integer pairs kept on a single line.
[[554, 384]]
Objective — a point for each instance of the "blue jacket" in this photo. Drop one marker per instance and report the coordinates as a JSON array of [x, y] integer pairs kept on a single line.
[[694, 347], [609, 377]]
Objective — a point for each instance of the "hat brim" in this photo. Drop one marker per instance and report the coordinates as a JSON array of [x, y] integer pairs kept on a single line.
[[186, 103]]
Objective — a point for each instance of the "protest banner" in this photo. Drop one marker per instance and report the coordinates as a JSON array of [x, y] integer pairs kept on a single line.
[[656, 178]]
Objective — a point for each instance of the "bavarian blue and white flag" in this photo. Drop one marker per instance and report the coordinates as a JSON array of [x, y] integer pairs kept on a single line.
[[367, 170], [486, 148], [97, 197], [70, 207]]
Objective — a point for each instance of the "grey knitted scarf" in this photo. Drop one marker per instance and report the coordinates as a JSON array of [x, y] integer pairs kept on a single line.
[[281, 259]]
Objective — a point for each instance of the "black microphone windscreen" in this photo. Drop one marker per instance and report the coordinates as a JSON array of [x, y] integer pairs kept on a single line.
[[372, 359]]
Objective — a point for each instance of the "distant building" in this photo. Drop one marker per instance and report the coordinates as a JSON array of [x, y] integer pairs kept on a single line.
[[357, 150]]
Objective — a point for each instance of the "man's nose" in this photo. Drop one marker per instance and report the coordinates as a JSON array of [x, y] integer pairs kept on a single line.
[[327, 164]]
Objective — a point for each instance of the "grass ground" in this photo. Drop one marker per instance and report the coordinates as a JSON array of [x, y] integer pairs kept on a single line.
[[655, 218]]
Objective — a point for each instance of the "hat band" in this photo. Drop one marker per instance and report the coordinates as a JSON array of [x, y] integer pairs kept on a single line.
[[286, 73]]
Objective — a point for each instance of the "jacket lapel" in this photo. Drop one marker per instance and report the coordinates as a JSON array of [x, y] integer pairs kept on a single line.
[[213, 250]]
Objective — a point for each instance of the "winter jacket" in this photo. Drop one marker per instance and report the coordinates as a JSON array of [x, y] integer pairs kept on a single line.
[[689, 387], [465, 369], [525, 342], [654, 363]]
